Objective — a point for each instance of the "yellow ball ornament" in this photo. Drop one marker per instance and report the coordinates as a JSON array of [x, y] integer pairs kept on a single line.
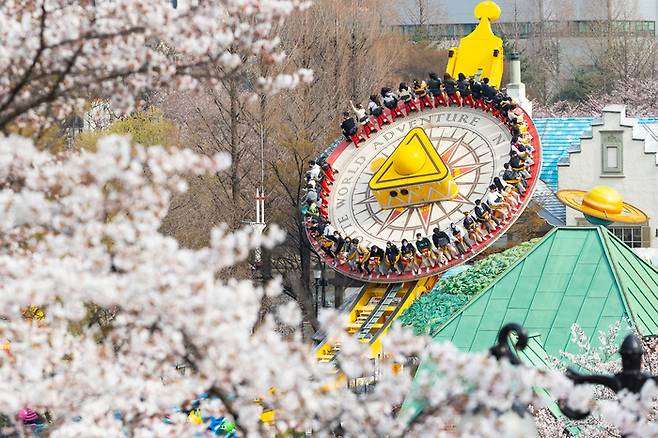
[[409, 159], [487, 9], [604, 200]]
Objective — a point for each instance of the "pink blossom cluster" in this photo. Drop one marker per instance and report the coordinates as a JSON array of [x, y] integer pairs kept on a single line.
[[84, 228], [56, 54]]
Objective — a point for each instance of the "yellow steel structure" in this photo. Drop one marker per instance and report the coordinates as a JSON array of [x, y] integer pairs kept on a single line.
[[481, 53], [413, 174], [374, 311]]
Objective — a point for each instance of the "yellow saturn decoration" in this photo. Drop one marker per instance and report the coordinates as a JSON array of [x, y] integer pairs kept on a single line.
[[602, 205]]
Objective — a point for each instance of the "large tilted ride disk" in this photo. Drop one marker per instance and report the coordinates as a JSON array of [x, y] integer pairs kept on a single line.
[[427, 168]]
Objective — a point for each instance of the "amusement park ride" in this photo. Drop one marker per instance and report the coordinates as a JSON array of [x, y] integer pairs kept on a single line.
[[423, 171]]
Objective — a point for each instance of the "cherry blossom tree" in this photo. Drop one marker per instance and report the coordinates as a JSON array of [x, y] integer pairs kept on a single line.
[[84, 228], [80, 233], [57, 53], [639, 95]]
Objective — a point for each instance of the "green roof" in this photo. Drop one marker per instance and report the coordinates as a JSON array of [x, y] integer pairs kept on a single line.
[[574, 275]]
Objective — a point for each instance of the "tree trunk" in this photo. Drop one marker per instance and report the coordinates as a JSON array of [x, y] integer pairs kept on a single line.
[[234, 117], [352, 66]]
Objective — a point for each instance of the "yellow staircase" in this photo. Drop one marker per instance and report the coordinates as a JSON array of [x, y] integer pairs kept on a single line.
[[374, 311]]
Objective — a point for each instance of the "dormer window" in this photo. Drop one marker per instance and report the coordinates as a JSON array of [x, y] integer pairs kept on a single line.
[[612, 162]]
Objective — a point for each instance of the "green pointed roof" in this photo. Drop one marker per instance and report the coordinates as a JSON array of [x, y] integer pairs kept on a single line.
[[573, 275]]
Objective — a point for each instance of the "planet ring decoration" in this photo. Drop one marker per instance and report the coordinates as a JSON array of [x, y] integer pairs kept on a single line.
[[602, 206]]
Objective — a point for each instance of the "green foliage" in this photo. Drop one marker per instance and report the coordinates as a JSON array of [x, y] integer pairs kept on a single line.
[[147, 128], [429, 312]]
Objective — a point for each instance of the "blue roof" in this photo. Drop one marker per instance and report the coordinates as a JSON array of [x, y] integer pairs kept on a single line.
[[558, 135]]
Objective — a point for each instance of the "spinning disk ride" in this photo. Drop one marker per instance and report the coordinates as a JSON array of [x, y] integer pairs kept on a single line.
[[471, 146]]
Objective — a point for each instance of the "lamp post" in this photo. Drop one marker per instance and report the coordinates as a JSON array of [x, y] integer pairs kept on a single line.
[[630, 378], [323, 283], [317, 275]]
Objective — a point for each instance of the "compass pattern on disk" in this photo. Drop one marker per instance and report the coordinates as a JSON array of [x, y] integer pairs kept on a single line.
[[473, 144]]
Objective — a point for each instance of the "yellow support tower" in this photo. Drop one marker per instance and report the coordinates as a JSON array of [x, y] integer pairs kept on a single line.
[[414, 174], [481, 53]]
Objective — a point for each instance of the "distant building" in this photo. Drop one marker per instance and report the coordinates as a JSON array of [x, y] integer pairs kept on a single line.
[[621, 153], [571, 28], [448, 19]]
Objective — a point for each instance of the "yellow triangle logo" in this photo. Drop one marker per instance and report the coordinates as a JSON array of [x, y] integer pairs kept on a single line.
[[414, 161]]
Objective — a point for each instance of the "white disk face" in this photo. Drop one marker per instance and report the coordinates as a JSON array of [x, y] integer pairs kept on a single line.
[[473, 144]]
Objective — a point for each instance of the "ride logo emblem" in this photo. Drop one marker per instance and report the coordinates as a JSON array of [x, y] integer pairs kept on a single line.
[[414, 174]]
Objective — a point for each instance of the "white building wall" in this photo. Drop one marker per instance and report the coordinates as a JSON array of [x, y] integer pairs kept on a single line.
[[638, 183]]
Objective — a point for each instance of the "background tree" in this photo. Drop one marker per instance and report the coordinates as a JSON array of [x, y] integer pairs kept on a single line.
[[352, 57], [616, 49], [543, 54]]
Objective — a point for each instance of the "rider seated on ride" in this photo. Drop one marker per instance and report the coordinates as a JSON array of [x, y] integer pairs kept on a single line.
[[389, 97], [338, 243], [516, 132], [526, 140], [393, 258], [513, 178], [488, 92], [450, 87], [350, 130], [343, 253], [377, 111], [472, 228], [314, 170], [420, 89], [434, 88], [377, 260], [320, 224], [523, 153], [501, 103], [460, 242], [405, 96], [476, 89], [309, 215], [497, 203], [516, 163], [443, 246], [363, 118], [362, 255], [327, 169], [464, 89], [483, 215], [311, 194], [514, 113], [391, 102], [326, 240], [508, 192], [351, 254], [424, 247], [409, 256]]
